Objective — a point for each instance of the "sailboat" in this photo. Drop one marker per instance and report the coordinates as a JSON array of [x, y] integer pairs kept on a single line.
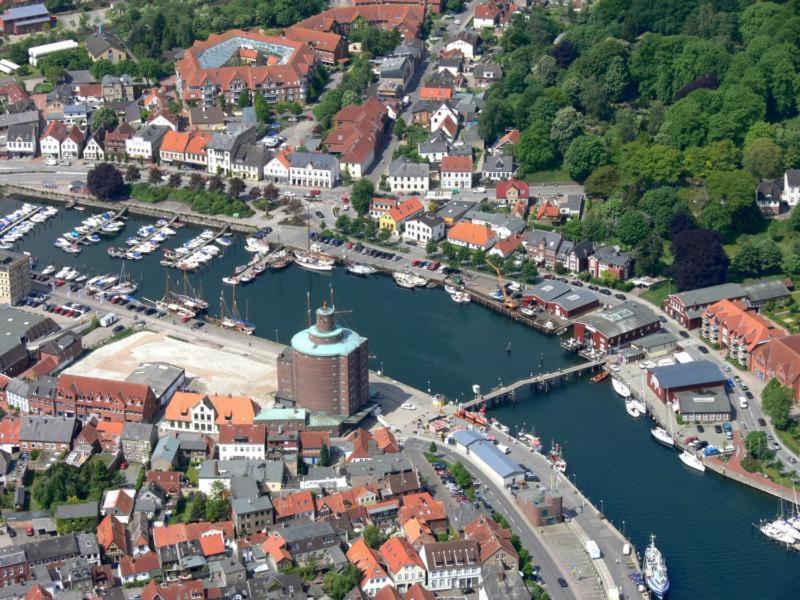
[[169, 304], [620, 387], [655, 570], [690, 460], [234, 320], [663, 436]]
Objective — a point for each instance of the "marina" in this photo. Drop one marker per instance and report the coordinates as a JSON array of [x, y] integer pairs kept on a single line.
[[427, 342]]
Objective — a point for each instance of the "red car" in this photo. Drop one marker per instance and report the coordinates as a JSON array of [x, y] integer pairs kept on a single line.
[[123, 465], [315, 193], [415, 262]]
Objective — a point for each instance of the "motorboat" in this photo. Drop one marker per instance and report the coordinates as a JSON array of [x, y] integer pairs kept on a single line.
[[404, 280], [690, 460], [224, 241], [62, 273], [662, 435], [655, 570], [461, 298], [48, 269], [230, 280], [529, 312], [632, 408], [620, 387], [601, 376], [360, 269], [450, 289]]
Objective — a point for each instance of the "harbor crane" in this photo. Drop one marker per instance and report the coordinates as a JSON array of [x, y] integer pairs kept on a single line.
[[508, 301]]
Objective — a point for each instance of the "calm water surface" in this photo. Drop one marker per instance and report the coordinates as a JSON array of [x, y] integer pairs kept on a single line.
[[701, 521]]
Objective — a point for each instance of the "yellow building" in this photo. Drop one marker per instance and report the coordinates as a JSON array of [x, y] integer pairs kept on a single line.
[[15, 277], [397, 215]]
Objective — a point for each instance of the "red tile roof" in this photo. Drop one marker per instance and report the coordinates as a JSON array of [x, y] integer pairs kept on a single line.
[[111, 531], [423, 507], [486, 11], [9, 430], [175, 141], [406, 209], [37, 592], [508, 245], [367, 560], [456, 164], [385, 440], [522, 188], [469, 233], [388, 592], [169, 481], [418, 592], [173, 534], [406, 19], [13, 92], [142, 564], [249, 434], [180, 590], [212, 544], [320, 40], [753, 329], [120, 500], [313, 440], [512, 137], [55, 129], [293, 504], [397, 553]]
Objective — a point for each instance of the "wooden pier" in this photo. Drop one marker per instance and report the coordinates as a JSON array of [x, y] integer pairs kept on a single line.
[[84, 239], [542, 381], [146, 239], [10, 226]]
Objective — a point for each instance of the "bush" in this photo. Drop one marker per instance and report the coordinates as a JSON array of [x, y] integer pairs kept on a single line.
[[202, 201]]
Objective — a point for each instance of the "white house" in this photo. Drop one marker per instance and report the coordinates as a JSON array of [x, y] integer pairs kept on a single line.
[[242, 441], [50, 142], [403, 563], [456, 173], [162, 121], [145, 143], [94, 148], [72, 145], [791, 187], [277, 168], [452, 565], [498, 167], [486, 16], [17, 395], [407, 176], [313, 169], [465, 42], [424, 228], [441, 114]]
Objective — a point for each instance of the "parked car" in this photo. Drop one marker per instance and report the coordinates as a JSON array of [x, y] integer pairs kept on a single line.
[[605, 292], [562, 582], [762, 422], [702, 349], [717, 428], [683, 334]]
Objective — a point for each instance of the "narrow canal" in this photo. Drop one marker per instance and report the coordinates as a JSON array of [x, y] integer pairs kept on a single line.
[[420, 337]]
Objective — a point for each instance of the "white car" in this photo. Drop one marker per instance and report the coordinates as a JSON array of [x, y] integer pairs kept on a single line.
[[457, 21], [408, 406], [51, 162]]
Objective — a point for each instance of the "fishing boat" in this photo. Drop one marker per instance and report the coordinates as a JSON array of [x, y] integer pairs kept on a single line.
[[601, 376], [404, 280], [531, 440], [620, 387], [556, 458], [360, 269], [655, 570], [233, 320], [662, 435], [314, 261], [281, 263], [690, 460]]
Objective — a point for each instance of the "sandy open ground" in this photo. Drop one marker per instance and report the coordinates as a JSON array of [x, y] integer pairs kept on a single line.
[[214, 371]]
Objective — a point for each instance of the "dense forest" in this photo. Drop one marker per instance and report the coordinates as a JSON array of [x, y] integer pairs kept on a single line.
[[670, 112]]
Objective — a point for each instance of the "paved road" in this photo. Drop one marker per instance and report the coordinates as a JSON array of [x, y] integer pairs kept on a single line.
[[550, 569]]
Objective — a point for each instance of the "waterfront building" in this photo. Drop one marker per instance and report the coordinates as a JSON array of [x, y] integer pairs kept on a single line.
[[474, 237], [611, 260], [396, 216], [741, 330], [666, 381], [22, 139], [326, 369], [452, 565], [560, 299], [494, 543], [615, 327], [146, 143], [493, 462], [313, 169], [705, 405], [424, 228], [542, 507], [15, 277]]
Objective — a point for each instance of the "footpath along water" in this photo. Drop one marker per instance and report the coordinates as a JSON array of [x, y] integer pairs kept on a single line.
[[421, 337]]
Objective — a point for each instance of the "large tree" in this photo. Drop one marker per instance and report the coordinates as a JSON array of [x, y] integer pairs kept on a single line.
[[763, 158], [105, 181], [647, 255], [757, 256], [632, 227], [363, 189], [584, 155], [777, 402], [700, 259], [104, 118]]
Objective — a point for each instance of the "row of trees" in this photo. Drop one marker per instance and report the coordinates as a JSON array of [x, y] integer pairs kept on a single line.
[[62, 482]]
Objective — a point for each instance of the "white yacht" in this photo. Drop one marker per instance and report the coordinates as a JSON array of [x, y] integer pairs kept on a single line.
[[663, 436], [361, 269], [620, 387], [404, 280], [690, 460]]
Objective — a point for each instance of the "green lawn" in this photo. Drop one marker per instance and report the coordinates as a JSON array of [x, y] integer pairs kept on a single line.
[[791, 438], [658, 293], [551, 176]]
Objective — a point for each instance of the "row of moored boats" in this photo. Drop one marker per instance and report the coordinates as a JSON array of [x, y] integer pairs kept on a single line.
[[18, 223]]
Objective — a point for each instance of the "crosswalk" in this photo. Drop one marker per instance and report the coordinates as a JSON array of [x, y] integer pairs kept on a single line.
[[687, 343]]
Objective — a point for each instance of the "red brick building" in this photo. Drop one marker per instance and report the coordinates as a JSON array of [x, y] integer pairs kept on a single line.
[[111, 400], [779, 359], [615, 327]]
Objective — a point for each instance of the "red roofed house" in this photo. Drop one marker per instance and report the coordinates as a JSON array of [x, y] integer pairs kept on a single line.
[[506, 247], [242, 441], [403, 563], [37, 592], [456, 173], [475, 237], [168, 481], [510, 191], [779, 359], [311, 443], [384, 438], [298, 505], [111, 400], [368, 561], [179, 533], [112, 538], [511, 138], [358, 129], [436, 91], [118, 503], [380, 206], [366, 444], [731, 325], [173, 146], [329, 48], [405, 16], [138, 570], [184, 589], [494, 543], [428, 511], [397, 215], [486, 15], [275, 549], [549, 211], [9, 433]]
